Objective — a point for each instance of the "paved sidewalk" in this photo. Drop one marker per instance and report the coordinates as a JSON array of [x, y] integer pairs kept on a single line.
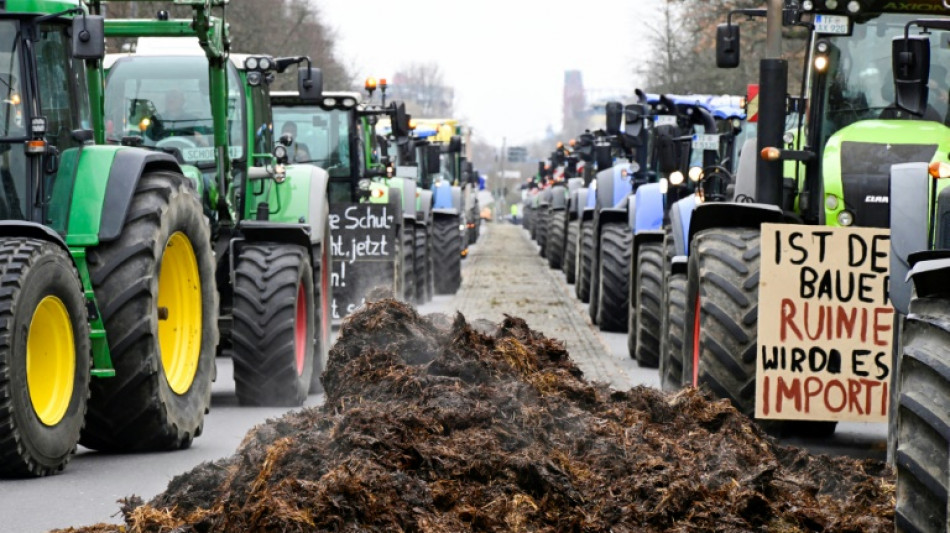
[[505, 275]]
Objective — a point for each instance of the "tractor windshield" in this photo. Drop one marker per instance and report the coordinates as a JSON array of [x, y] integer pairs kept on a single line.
[[860, 83], [166, 102], [320, 136], [11, 110]]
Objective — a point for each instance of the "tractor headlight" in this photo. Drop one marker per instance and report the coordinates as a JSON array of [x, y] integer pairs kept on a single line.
[[251, 63], [664, 185], [695, 174], [831, 202], [677, 178], [364, 184], [461, 227], [845, 218]]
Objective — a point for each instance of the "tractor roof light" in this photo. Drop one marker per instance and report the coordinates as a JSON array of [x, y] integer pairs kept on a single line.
[[413, 124], [677, 178], [854, 7], [251, 63], [939, 169], [695, 174], [771, 153], [348, 103], [144, 124], [36, 146], [370, 84]]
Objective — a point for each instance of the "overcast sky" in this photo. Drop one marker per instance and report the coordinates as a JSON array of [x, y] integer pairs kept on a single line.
[[505, 58]]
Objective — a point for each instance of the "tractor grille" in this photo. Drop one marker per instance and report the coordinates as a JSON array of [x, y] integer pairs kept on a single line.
[[866, 173]]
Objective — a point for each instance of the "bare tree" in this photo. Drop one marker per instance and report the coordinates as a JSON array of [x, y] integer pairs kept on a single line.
[[423, 88]]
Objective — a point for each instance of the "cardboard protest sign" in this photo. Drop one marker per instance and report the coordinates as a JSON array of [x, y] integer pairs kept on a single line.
[[364, 248], [825, 326]]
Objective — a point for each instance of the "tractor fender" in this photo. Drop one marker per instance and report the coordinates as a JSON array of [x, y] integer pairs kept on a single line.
[[929, 274], [269, 231], [587, 214], [575, 184], [442, 196], [32, 230], [679, 265], [457, 198], [910, 220], [311, 183], [408, 197], [559, 197], [127, 168], [395, 203], [645, 237], [649, 208], [578, 197], [607, 216], [732, 215], [680, 215], [436, 213], [632, 213]]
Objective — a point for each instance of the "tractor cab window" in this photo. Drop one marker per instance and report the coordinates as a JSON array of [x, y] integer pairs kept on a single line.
[[262, 141], [320, 137], [167, 102], [860, 82], [13, 168], [61, 87]]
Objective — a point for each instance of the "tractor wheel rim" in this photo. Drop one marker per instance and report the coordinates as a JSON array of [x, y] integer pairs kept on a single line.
[[696, 343], [300, 330], [50, 360], [180, 313]]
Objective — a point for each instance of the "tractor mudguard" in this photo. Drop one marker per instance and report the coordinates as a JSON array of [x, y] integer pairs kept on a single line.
[[649, 208], [575, 184], [32, 230], [607, 216], [577, 203], [910, 220], [732, 215], [270, 231], [111, 201], [437, 213], [408, 198], [929, 276], [558, 198], [645, 237], [300, 200], [457, 198], [680, 215], [679, 265], [395, 203], [587, 214]]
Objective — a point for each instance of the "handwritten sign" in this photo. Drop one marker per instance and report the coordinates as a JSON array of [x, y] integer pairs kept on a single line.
[[825, 326], [364, 247]]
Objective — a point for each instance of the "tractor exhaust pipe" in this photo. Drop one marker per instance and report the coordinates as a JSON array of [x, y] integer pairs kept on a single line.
[[773, 85]]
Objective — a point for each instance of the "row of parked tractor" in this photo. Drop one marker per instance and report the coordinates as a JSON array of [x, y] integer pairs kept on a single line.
[[162, 207], [789, 253]]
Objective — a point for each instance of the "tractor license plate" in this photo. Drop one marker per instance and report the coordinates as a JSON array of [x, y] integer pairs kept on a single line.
[[665, 120], [832, 24], [705, 141]]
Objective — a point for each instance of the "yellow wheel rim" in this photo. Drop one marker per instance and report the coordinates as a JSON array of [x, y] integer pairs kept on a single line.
[[50, 360], [179, 313]]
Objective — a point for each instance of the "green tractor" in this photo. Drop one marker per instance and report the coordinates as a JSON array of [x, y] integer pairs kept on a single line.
[[108, 286], [855, 120], [208, 109], [339, 132]]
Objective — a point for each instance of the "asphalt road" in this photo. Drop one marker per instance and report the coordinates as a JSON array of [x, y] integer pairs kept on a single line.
[[88, 490]]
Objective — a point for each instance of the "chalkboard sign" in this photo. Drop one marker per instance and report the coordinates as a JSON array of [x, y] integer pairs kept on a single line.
[[364, 247], [825, 324]]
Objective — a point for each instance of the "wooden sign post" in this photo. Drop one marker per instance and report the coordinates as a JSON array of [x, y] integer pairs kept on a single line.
[[825, 325]]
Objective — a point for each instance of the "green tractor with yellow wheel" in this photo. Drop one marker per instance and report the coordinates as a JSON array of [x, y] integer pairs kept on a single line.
[[108, 290], [209, 109]]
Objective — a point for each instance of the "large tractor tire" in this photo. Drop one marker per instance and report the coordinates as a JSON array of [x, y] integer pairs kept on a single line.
[[722, 305], [544, 227], [408, 250], [555, 251], [648, 290], [585, 258], [570, 251], [155, 287], [323, 299], [420, 260], [44, 362], [672, 332], [923, 418], [274, 325], [446, 254], [613, 294]]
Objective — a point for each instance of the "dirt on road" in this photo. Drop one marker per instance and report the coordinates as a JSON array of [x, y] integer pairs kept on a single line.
[[432, 424]]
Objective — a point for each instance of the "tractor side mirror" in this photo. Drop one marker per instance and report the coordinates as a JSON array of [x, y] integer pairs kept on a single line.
[[401, 120], [309, 83], [433, 158], [911, 60], [455, 144], [602, 156], [89, 37], [614, 116], [727, 46], [633, 120], [665, 153]]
